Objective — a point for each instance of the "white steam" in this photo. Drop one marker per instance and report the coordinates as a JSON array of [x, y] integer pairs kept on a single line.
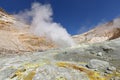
[[40, 18], [109, 25], [116, 22]]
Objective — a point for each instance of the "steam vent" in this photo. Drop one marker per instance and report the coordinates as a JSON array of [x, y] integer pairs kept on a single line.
[[34, 47]]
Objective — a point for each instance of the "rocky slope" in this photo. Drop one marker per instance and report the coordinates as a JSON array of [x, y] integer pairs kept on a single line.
[[97, 61], [15, 39], [104, 32], [83, 62]]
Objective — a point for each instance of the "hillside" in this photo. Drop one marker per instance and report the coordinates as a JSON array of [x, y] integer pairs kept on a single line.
[[103, 32], [16, 39]]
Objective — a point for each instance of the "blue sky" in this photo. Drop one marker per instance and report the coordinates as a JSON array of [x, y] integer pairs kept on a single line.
[[76, 16]]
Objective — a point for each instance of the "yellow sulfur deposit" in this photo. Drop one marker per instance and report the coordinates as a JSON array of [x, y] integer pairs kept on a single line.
[[93, 75]]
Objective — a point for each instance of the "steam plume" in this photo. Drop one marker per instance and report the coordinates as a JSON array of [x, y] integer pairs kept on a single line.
[[40, 18], [115, 23]]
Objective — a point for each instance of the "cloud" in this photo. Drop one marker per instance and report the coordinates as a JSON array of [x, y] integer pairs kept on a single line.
[[42, 24]]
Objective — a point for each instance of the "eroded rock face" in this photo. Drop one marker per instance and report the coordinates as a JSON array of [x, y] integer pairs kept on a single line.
[[6, 17]]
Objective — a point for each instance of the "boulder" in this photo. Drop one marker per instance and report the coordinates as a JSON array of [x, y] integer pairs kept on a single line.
[[98, 64]]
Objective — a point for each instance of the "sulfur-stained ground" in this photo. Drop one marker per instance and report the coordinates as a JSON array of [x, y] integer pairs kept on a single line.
[[63, 64]]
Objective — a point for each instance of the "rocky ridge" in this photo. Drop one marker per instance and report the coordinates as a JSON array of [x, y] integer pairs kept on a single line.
[[103, 32]]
